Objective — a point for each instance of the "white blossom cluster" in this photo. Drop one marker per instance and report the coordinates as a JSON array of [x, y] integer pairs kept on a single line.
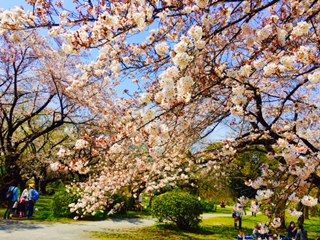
[[264, 194], [184, 88], [16, 18], [55, 166], [309, 201], [63, 152], [162, 48], [301, 29], [314, 77], [81, 144], [256, 184], [295, 213]]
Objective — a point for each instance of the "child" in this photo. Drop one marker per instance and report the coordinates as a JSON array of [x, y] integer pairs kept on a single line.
[[23, 203], [22, 207]]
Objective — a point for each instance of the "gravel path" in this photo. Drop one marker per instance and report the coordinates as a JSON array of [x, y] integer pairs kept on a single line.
[[215, 215], [15, 230], [20, 230]]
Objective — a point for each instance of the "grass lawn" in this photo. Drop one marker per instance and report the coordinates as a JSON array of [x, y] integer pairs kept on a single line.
[[44, 213], [225, 210], [220, 228], [2, 211]]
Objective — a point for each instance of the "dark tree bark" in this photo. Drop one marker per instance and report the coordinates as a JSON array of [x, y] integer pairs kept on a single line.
[[280, 212], [43, 187]]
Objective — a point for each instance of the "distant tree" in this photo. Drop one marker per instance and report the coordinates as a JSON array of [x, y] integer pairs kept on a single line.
[[247, 165]]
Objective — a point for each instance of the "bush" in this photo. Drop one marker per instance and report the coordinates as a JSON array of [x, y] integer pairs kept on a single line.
[[208, 206], [179, 207], [125, 201], [53, 187], [60, 203]]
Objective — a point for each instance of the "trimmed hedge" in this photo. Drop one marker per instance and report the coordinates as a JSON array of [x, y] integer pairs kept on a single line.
[[178, 207]]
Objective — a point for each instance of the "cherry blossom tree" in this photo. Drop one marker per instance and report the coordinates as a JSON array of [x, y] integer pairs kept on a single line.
[[201, 63], [33, 103]]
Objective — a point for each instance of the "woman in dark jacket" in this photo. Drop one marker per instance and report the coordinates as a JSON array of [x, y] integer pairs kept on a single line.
[[292, 230]]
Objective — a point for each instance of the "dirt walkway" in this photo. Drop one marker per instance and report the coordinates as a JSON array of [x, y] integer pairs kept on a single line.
[[15, 230], [19, 230]]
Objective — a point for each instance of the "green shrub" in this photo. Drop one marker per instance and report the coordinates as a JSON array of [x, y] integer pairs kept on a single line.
[[179, 207], [126, 201], [208, 206], [60, 203], [51, 188]]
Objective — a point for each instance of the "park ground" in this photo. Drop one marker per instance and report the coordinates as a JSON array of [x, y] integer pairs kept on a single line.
[[218, 225]]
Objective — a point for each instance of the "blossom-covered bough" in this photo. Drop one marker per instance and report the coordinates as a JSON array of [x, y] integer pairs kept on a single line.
[[198, 64]]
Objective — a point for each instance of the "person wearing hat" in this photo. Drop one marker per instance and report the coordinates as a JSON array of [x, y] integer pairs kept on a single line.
[[30, 201]]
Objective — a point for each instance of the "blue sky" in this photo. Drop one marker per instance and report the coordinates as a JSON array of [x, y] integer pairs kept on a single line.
[[7, 4]]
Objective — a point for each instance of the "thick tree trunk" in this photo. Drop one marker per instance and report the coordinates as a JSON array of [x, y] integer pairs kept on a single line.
[[314, 210], [301, 219], [12, 177], [43, 182], [280, 212], [13, 171], [43, 187], [36, 182], [306, 212]]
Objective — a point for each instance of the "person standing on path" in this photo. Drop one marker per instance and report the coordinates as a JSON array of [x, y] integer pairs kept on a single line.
[[237, 216], [12, 197], [32, 197], [254, 208]]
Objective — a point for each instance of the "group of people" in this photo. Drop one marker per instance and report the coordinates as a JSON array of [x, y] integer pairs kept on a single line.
[[261, 232], [296, 233], [21, 206]]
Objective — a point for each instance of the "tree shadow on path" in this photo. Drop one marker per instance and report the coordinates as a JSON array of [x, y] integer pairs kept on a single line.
[[136, 221], [11, 226]]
